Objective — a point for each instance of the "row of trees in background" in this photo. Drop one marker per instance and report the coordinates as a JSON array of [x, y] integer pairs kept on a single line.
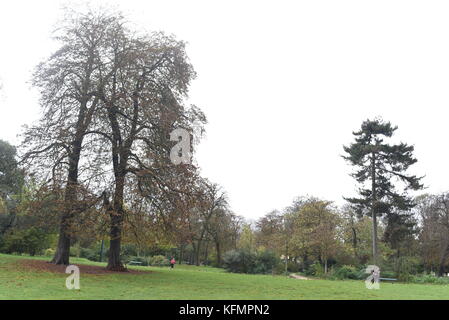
[[313, 231], [386, 225], [411, 229]]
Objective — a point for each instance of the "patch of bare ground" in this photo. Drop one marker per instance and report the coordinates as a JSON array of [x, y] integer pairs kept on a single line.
[[297, 276], [45, 266]]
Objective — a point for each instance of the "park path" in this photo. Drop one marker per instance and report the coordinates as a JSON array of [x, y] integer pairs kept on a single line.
[[296, 276]]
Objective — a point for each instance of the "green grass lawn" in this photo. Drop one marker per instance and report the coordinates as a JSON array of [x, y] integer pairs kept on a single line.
[[190, 282]]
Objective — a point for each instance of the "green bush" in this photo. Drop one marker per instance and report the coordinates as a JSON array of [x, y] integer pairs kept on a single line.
[[346, 272], [75, 251], [315, 269], [158, 261], [32, 241], [265, 262], [89, 254], [279, 268], [213, 260], [49, 252], [407, 265], [129, 250], [239, 261], [293, 266], [362, 275], [428, 278], [405, 277], [246, 261]]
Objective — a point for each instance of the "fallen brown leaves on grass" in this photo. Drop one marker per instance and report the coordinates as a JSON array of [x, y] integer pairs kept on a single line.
[[45, 266]]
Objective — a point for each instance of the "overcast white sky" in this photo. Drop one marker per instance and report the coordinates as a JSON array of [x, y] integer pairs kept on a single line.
[[283, 83]]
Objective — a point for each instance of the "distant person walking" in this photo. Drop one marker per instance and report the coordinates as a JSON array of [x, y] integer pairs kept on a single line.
[[172, 262]]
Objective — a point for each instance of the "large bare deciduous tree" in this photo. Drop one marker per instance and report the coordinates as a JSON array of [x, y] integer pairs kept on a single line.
[[142, 104], [109, 94], [69, 82]]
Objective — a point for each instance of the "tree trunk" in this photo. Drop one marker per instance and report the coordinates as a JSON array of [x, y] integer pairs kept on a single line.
[[325, 266], [101, 250], [373, 206], [286, 256], [206, 253], [197, 253], [374, 237], [444, 256], [181, 253], [305, 262], [62, 254], [198, 248], [193, 255], [10, 224], [218, 248], [114, 262]]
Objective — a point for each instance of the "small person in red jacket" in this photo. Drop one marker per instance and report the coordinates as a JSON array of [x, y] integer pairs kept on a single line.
[[172, 262]]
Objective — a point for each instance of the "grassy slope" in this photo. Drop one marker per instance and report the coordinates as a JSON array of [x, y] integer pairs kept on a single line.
[[189, 282]]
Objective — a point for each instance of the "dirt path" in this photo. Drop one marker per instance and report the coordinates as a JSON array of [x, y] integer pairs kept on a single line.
[[296, 276]]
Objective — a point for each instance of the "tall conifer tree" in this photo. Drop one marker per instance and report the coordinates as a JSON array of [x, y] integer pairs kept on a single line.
[[378, 166]]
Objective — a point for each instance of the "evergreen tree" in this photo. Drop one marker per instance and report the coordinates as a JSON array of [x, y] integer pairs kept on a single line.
[[11, 178], [11, 182], [378, 166]]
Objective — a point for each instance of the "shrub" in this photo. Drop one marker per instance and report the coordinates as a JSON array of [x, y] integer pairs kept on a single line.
[[213, 260], [315, 269], [428, 278], [405, 277], [407, 265], [31, 241], [265, 262], [89, 254], [293, 266], [346, 272], [362, 275], [49, 252], [246, 261], [75, 251], [129, 250], [158, 261], [279, 268], [239, 261]]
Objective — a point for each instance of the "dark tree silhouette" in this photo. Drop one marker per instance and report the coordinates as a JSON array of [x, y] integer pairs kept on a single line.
[[69, 82], [378, 163]]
